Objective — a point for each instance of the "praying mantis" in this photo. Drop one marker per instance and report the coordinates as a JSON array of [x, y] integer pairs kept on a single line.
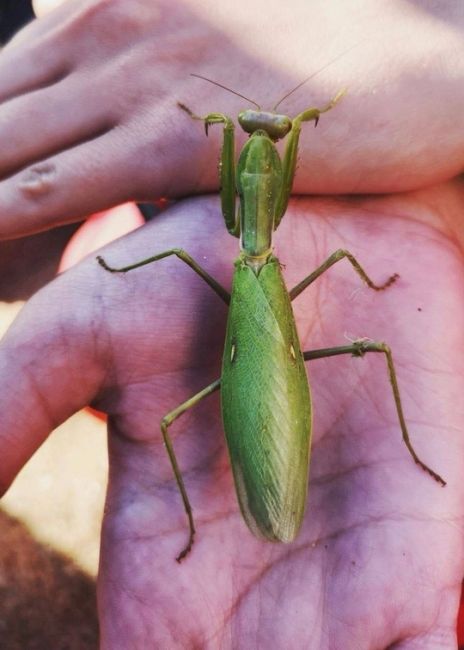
[[265, 395]]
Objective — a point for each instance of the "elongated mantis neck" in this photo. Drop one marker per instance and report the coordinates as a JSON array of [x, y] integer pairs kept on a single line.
[[259, 183], [256, 241]]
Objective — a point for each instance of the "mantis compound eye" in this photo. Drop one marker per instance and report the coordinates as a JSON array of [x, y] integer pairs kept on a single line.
[[276, 126]]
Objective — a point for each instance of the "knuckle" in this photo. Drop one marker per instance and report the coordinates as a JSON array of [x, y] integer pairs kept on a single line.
[[106, 22]]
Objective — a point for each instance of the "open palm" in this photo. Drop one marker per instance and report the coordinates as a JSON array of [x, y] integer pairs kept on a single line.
[[378, 559]]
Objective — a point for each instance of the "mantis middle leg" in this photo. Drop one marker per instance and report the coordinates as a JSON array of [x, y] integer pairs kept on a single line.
[[211, 388], [184, 257], [361, 347]]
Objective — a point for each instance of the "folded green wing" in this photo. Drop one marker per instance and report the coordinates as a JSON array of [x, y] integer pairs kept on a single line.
[[266, 404]]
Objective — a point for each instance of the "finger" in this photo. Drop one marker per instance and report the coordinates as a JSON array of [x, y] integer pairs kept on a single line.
[[77, 341], [42, 7], [89, 178], [49, 358], [30, 68], [38, 56], [43, 122]]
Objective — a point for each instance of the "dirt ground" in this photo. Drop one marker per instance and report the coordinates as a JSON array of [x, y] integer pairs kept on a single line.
[[50, 518]]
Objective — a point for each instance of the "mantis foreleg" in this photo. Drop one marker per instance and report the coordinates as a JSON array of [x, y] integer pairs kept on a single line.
[[291, 152], [226, 166]]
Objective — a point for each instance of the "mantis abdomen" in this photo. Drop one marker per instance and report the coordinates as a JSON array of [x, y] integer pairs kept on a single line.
[[266, 405]]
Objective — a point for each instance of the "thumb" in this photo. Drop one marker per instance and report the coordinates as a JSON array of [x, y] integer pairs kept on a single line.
[[50, 366], [42, 7]]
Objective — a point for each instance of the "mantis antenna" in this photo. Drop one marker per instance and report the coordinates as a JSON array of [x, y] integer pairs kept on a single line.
[[234, 92], [314, 74], [311, 76]]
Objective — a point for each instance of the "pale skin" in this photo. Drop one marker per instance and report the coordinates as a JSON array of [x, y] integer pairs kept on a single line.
[[379, 561]]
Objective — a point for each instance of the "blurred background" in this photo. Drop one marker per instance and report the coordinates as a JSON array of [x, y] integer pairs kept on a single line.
[[13, 15]]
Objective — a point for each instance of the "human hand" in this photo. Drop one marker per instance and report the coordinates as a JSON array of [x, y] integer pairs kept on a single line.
[[379, 558], [89, 119]]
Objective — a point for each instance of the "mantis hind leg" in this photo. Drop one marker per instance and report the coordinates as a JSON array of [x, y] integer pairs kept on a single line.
[[359, 349], [165, 424]]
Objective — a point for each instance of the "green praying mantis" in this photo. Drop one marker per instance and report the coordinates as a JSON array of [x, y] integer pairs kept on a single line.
[[265, 397]]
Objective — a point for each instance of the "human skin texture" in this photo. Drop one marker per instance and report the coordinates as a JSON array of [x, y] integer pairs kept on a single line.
[[379, 559], [89, 96]]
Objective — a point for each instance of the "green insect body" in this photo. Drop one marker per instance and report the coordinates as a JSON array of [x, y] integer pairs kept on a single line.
[[265, 397], [266, 406], [259, 184]]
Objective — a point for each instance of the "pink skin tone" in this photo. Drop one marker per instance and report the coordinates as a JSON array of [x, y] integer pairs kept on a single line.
[[379, 560]]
